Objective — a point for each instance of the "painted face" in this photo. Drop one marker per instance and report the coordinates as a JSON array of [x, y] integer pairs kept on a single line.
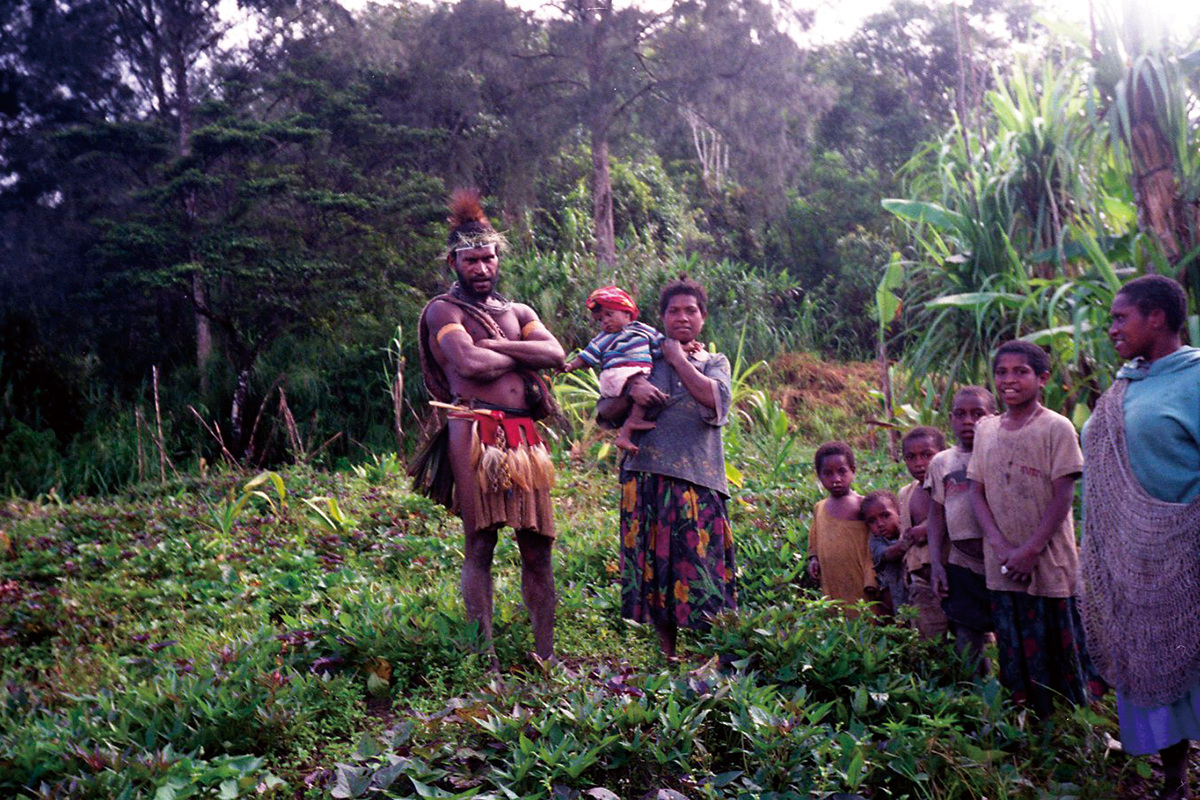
[[1016, 381], [682, 318], [611, 320], [967, 411], [917, 455], [836, 475], [477, 269], [1131, 331], [882, 519]]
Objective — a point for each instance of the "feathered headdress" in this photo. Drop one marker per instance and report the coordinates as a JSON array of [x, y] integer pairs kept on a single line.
[[469, 225]]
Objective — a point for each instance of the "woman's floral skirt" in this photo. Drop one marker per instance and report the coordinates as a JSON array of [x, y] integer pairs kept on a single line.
[[676, 552]]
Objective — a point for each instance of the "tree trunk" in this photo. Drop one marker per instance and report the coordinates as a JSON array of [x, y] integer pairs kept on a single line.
[[602, 206], [1154, 186], [237, 414], [183, 118], [204, 343], [596, 16]]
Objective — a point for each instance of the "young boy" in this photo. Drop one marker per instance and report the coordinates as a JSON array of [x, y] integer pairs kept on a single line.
[[881, 512], [622, 350], [955, 538], [837, 541], [919, 446], [1021, 483]]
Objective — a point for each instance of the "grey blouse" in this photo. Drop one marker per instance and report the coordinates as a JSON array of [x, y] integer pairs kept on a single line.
[[686, 444]]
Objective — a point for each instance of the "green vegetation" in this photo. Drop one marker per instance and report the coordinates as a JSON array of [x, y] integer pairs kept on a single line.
[[218, 637], [213, 251]]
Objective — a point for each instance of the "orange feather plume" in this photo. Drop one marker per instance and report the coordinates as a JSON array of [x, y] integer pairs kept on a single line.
[[465, 207]]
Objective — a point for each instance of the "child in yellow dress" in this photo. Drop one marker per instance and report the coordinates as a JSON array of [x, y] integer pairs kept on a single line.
[[839, 556]]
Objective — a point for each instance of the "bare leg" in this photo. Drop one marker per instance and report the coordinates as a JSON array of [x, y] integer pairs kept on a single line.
[[1175, 771], [668, 635], [537, 587], [969, 642], [477, 582]]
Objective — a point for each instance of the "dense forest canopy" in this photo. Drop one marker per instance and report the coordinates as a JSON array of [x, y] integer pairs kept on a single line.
[[253, 202]]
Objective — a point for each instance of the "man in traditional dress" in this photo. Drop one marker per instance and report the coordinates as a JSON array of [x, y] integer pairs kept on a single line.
[[478, 354]]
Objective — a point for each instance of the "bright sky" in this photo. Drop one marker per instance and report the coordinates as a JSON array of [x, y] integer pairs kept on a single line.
[[836, 19]]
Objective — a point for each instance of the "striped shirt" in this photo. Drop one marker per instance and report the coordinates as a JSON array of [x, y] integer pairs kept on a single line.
[[634, 345]]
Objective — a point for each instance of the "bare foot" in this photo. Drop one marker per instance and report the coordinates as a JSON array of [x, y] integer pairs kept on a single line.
[[625, 443]]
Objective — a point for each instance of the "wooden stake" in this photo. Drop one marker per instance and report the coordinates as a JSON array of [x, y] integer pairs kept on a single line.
[[885, 380], [162, 449], [250, 449], [397, 391], [139, 421], [216, 434], [290, 424]]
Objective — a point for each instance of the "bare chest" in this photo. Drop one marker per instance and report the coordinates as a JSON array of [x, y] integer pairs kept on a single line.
[[506, 321]]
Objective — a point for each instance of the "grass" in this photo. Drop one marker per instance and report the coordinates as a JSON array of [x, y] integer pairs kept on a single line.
[[152, 648]]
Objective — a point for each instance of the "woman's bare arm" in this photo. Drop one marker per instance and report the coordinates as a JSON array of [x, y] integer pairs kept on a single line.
[[699, 386]]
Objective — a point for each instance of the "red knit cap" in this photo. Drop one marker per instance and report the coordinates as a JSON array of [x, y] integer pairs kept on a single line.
[[613, 297]]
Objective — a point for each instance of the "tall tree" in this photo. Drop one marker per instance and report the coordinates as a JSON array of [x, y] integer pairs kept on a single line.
[[1147, 84], [164, 43], [607, 56], [300, 210]]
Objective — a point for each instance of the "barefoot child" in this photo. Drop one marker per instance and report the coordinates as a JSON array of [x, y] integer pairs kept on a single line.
[[955, 538], [622, 351], [919, 446], [1021, 483], [837, 541], [881, 512]]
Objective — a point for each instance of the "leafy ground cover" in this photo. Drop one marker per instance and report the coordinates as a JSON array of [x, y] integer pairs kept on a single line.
[[301, 635]]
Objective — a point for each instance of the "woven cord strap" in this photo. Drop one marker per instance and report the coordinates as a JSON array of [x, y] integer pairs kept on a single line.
[[1141, 570]]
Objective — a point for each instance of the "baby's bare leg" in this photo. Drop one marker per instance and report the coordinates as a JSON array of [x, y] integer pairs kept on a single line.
[[636, 421]]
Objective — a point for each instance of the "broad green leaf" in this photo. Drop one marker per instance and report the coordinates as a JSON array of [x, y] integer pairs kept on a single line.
[[854, 773], [1046, 335], [920, 211], [734, 475], [975, 300]]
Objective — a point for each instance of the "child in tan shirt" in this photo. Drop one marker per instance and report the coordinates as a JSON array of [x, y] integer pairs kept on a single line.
[[1022, 477]]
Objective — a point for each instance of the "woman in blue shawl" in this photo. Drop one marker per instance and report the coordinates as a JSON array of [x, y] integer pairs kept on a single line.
[[1141, 546]]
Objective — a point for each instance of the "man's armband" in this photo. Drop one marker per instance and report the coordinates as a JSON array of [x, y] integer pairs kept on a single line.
[[530, 327], [448, 329]]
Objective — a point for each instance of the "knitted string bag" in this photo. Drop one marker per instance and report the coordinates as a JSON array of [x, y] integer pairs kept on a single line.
[[1141, 570]]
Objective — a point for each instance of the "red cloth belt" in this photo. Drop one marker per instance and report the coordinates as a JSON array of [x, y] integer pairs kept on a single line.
[[492, 421]]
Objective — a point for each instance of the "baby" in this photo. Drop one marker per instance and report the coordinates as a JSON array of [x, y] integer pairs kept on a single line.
[[623, 352]]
